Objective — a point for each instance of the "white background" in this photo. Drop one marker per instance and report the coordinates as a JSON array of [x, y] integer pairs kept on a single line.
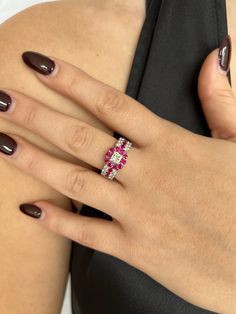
[[7, 9], [11, 7]]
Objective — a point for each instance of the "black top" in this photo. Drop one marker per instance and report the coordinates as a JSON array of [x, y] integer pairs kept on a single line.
[[176, 37]]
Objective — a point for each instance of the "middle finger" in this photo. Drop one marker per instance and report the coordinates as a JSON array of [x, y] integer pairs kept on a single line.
[[69, 134]]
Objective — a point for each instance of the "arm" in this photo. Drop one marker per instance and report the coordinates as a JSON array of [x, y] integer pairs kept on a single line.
[[34, 262]]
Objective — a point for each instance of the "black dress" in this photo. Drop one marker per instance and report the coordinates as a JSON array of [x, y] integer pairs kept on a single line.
[[176, 37]]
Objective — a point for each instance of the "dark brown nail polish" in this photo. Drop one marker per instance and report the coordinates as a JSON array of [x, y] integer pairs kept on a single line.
[[31, 210], [225, 53], [5, 101], [7, 144], [38, 62]]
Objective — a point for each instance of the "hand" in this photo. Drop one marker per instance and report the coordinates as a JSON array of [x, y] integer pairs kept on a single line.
[[173, 204]]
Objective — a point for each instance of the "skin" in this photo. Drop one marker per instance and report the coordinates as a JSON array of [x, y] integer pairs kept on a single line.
[[231, 13], [98, 68], [30, 270], [192, 230]]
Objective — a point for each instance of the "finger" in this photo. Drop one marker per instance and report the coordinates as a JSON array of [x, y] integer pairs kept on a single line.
[[120, 112], [96, 233], [71, 180], [69, 134], [216, 95]]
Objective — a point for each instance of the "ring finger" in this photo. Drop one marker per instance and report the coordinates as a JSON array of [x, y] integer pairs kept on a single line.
[[69, 134]]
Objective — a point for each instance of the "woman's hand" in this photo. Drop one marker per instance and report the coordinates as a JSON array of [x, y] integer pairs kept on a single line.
[[173, 204]]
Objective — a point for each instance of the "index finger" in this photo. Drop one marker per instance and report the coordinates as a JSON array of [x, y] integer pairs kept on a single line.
[[117, 110]]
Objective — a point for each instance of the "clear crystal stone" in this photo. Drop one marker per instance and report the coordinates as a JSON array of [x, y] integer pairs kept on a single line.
[[116, 158]]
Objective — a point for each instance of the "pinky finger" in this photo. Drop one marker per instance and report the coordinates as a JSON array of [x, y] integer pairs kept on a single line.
[[99, 234]]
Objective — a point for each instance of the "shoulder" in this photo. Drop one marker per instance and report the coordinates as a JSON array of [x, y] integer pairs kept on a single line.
[[97, 37]]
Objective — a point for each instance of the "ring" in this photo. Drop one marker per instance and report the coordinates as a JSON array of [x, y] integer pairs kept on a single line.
[[115, 158]]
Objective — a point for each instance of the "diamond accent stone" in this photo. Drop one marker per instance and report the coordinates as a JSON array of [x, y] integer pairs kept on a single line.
[[116, 157]]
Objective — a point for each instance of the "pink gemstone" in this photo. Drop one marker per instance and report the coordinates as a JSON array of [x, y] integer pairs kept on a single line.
[[121, 151], [125, 156], [120, 166], [123, 161], [123, 146], [110, 164], [109, 170]]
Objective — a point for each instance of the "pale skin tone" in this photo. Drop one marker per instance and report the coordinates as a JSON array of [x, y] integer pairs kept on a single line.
[[15, 245]]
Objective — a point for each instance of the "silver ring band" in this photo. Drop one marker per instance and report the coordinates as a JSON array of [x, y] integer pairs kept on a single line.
[[115, 158]]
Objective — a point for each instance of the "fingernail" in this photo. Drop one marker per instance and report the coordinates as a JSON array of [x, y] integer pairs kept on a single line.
[[7, 144], [5, 101], [38, 62], [31, 210], [225, 54]]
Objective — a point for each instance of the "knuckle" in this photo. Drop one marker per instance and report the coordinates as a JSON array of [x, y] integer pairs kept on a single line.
[[78, 138], [110, 103], [73, 85], [29, 116], [74, 182], [31, 161], [57, 225], [84, 236], [225, 93]]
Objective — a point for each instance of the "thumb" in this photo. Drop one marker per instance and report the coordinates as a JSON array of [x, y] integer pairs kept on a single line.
[[215, 93]]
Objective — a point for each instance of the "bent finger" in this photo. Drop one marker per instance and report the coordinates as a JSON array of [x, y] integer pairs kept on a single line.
[[73, 181], [73, 136], [96, 233], [216, 95]]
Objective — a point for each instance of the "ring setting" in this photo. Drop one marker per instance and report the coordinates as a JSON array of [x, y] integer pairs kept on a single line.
[[115, 158]]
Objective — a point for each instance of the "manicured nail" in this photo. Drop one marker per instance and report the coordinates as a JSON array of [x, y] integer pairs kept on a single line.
[[31, 210], [7, 144], [225, 54], [38, 62], [5, 101]]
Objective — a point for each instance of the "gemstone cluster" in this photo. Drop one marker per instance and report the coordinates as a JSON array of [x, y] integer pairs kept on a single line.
[[115, 158]]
